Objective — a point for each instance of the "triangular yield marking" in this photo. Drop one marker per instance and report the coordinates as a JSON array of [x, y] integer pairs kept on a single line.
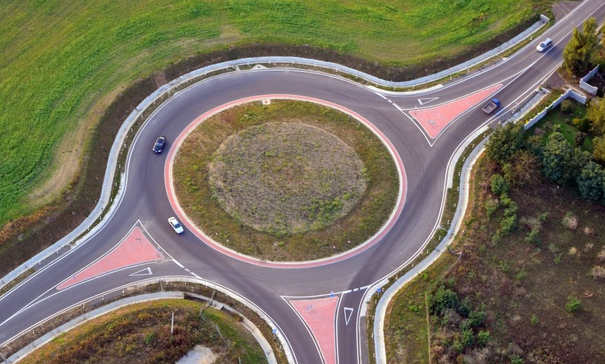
[[348, 314], [143, 272], [426, 100]]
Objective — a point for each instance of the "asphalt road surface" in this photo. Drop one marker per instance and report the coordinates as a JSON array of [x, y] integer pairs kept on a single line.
[[145, 203]]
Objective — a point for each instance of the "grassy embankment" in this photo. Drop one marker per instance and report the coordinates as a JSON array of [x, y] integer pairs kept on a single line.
[[365, 218], [64, 62], [531, 294], [141, 333]]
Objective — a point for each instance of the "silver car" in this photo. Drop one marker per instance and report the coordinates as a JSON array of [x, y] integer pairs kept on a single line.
[[176, 225], [544, 45]]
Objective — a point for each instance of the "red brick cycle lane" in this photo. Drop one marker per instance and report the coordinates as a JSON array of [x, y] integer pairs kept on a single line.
[[436, 118], [134, 248]]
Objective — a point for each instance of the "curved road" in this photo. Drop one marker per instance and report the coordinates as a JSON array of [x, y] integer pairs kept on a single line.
[[145, 203]]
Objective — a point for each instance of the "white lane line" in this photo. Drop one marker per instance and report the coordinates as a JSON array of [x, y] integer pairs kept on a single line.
[[156, 243]]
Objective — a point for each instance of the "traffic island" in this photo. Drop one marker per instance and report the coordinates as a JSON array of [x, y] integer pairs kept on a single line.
[[285, 180]]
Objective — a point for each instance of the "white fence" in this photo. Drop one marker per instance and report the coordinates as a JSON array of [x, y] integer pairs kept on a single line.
[[584, 85], [570, 93]]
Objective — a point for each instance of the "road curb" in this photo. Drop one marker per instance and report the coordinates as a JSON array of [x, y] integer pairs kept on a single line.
[[390, 293], [106, 204], [223, 249]]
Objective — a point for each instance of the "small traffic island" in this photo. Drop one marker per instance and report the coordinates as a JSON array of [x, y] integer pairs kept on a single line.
[[285, 181]]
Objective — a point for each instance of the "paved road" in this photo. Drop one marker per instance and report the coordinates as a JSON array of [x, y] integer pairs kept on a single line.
[[145, 202]]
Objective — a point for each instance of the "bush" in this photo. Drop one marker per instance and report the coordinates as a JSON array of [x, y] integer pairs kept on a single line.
[[508, 224], [582, 124], [573, 304], [483, 338], [491, 206], [467, 338], [590, 181], [533, 236], [498, 185], [477, 318], [516, 359], [504, 142], [443, 299], [558, 159], [566, 106]]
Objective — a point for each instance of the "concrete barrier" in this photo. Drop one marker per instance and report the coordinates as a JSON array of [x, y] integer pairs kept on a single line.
[[570, 93], [584, 85]]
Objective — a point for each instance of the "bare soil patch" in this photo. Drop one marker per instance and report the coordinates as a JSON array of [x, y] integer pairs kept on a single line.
[[286, 178], [279, 198]]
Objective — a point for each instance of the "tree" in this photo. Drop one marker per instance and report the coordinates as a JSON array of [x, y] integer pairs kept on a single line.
[[581, 48], [598, 150], [590, 181], [596, 115], [504, 142], [558, 159], [523, 170], [498, 184]]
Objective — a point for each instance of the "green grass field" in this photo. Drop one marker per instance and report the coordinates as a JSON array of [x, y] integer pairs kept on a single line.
[[63, 61]]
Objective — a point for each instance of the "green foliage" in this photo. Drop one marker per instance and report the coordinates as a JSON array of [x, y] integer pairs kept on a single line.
[[598, 151], [557, 159], [467, 338], [443, 299], [516, 359], [581, 48], [491, 206], [504, 142], [573, 304], [596, 115], [533, 320], [591, 181], [477, 318], [566, 106], [498, 185], [508, 224], [483, 337]]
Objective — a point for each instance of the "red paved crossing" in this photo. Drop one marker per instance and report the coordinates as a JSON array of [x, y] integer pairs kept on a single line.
[[319, 314], [134, 248], [434, 119]]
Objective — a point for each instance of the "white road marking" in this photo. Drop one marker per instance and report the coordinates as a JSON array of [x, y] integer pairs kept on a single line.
[[348, 314], [143, 272], [425, 100]]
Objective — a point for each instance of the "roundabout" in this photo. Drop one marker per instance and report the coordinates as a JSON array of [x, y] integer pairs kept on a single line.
[[279, 178], [314, 306]]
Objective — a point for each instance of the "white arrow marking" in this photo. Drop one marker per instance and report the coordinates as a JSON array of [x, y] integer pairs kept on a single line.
[[143, 272], [348, 314], [426, 100]]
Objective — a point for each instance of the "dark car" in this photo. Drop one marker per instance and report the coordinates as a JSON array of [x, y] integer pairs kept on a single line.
[[159, 144]]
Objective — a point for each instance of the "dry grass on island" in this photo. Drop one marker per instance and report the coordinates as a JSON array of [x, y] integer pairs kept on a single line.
[[286, 181]]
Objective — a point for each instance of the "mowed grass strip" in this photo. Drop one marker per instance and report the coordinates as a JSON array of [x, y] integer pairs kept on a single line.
[[61, 60], [141, 334], [366, 217]]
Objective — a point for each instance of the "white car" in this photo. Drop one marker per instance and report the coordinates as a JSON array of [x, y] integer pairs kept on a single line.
[[544, 45], [176, 225]]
